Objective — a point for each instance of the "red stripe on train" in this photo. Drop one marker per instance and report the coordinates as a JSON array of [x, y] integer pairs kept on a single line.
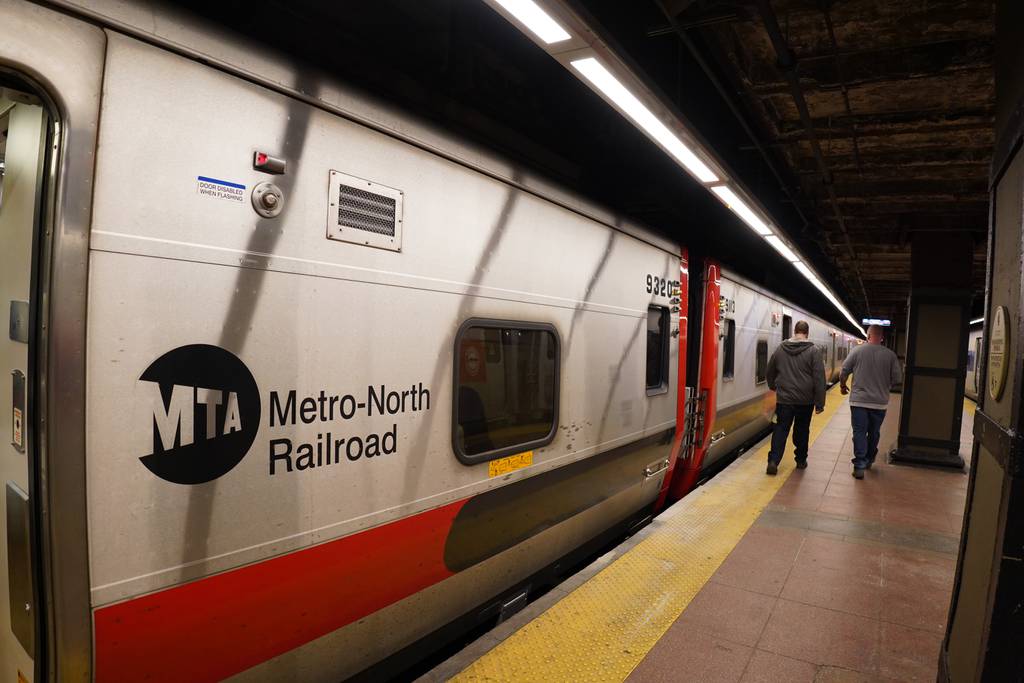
[[223, 624]]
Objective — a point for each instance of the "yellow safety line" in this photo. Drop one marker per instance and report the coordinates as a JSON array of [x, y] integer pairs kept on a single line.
[[970, 406], [604, 628]]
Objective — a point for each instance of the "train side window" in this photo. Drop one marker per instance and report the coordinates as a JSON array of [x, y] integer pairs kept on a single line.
[[970, 360], [787, 326], [506, 385], [657, 350], [761, 364], [729, 349]]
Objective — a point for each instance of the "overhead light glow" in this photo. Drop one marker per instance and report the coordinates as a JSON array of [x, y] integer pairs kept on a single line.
[[820, 286], [737, 206], [603, 80], [535, 19], [978, 320], [805, 271], [781, 247], [530, 15]]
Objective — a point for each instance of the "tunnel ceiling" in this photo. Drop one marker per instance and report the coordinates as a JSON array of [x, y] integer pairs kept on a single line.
[[901, 103], [899, 100]]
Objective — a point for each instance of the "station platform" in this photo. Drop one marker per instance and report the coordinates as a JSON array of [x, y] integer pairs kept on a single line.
[[810, 575]]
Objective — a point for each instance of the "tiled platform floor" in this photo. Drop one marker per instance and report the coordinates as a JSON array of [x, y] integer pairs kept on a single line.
[[838, 580]]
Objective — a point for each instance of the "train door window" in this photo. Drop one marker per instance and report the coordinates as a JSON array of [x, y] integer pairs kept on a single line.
[[728, 348], [970, 360], [506, 381], [657, 350], [761, 364], [787, 326]]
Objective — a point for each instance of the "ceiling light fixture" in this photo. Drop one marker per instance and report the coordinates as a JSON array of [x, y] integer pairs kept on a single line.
[[537, 20], [977, 320], [782, 248], [628, 104], [738, 207], [586, 55]]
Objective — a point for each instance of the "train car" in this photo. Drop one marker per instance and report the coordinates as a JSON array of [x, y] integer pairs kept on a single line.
[[300, 382], [975, 357]]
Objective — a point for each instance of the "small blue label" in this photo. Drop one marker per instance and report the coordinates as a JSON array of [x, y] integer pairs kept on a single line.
[[219, 182], [220, 189]]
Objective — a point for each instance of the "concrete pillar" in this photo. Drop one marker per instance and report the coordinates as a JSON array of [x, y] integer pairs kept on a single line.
[[936, 350], [983, 636]]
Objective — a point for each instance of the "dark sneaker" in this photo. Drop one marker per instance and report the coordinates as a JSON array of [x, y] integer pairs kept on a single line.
[[801, 464], [773, 469], [858, 473], [870, 463]]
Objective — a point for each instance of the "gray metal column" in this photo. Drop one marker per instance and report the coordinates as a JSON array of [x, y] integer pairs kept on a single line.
[[936, 361]]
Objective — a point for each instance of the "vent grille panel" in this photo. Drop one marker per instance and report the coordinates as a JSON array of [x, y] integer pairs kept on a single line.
[[365, 210]]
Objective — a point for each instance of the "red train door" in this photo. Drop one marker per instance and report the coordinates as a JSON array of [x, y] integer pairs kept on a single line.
[[680, 298], [697, 403]]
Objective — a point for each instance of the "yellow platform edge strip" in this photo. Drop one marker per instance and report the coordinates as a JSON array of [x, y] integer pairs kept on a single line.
[[603, 629]]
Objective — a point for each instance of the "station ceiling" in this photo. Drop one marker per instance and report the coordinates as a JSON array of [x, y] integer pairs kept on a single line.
[[899, 98], [896, 133]]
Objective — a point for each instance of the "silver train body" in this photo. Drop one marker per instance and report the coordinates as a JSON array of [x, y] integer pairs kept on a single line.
[[289, 447]]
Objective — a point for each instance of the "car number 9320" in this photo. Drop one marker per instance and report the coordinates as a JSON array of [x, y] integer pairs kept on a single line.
[[659, 286]]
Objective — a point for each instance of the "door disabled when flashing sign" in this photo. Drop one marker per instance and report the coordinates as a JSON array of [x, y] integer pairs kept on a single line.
[[220, 189]]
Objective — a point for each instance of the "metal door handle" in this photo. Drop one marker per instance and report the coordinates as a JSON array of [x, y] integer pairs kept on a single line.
[[717, 436]]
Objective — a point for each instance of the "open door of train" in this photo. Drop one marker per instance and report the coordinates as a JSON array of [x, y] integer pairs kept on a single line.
[[696, 404]]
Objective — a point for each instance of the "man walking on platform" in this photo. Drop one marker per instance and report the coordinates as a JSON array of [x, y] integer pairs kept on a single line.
[[875, 370], [796, 374]]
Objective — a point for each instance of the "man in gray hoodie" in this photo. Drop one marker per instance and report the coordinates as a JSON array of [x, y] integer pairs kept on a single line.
[[875, 370], [796, 374]]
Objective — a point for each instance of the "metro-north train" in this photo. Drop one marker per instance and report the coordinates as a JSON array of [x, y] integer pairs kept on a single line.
[[975, 356], [300, 384]]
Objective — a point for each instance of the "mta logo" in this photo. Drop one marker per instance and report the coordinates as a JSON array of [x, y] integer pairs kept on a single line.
[[205, 408]]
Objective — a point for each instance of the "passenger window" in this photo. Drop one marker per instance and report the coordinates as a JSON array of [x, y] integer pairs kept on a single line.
[[761, 364], [728, 349], [787, 327], [657, 350], [506, 388]]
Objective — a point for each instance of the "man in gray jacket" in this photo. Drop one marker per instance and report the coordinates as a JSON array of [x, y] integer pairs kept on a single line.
[[796, 374], [875, 370]]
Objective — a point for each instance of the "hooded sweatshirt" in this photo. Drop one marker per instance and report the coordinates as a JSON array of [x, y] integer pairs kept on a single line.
[[875, 370], [796, 374]]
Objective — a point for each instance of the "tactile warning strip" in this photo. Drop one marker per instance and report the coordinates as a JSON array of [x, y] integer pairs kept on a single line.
[[604, 628]]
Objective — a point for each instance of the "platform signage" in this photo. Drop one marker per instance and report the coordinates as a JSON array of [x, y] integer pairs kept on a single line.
[[998, 343], [881, 322]]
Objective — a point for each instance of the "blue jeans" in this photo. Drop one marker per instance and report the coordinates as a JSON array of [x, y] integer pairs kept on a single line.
[[799, 417], [866, 423]]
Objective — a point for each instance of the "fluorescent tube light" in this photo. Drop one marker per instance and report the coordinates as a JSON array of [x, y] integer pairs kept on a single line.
[[531, 16], [820, 286], [979, 320], [535, 19], [603, 80], [737, 206], [781, 247], [805, 271]]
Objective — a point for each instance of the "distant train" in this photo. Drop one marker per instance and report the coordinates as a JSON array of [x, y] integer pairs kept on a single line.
[[302, 386], [975, 357]]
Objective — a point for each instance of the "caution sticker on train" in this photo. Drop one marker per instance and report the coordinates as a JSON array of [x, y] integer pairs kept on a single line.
[[496, 468]]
